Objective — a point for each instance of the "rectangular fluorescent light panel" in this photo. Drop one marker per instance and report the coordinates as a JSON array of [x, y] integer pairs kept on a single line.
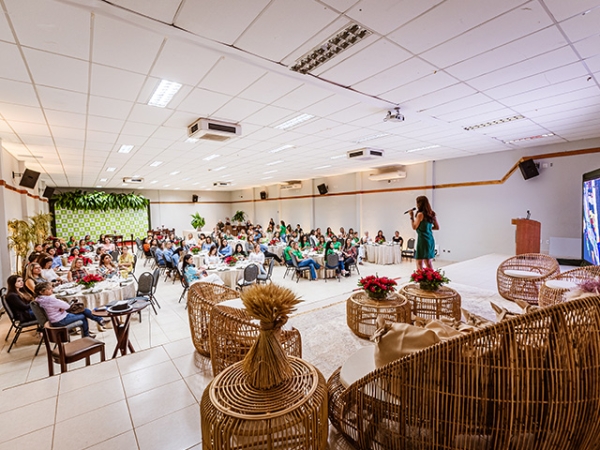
[[175, 173], [530, 138], [494, 122], [422, 148], [156, 164], [294, 121], [283, 147], [321, 167], [211, 157], [111, 169], [219, 168], [275, 162], [371, 137], [125, 148], [103, 179], [269, 171], [164, 93], [192, 140], [338, 156], [154, 182], [266, 178]]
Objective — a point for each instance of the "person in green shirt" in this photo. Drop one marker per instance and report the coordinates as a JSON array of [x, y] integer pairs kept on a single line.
[[282, 232], [330, 250], [337, 245], [303, 262], [287, 254]]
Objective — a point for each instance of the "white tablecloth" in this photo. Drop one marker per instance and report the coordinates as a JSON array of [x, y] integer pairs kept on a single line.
[[230, 276], [277, 249], [110, 292], [383, 254]]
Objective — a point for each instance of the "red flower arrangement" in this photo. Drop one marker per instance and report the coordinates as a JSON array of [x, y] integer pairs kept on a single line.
[[195, 249], [429, 279], [231, 260], [90, 280], [379, 240], [273, 241], [377, 287]]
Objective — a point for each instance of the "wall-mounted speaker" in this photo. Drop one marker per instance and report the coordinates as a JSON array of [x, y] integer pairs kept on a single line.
[[263, 195], [529, 169], [48, 192], [195, 198], [322, 189], [29, 178]]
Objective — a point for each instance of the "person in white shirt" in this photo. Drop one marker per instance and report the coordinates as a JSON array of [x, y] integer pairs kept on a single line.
[[190, 241], [257, 257], [213, 258]]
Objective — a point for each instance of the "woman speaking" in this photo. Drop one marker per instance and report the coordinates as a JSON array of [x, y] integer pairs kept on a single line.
[[424, 222]]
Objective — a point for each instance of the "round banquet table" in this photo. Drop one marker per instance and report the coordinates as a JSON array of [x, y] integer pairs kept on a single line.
[[229, 275], [277, 249], [109, 292], [383, 254]]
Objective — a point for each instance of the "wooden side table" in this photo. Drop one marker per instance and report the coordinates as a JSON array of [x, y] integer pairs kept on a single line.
[[362, 312], [293, 415], [120, 323], [445, 302]]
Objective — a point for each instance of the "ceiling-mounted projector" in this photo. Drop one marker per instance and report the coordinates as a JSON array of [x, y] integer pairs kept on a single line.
[[394, 116]]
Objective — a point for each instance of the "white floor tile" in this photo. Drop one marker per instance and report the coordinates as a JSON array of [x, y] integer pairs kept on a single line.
[[24, 420], [125, 441], [28, 393], [142, 359], [159, 402], [76, 379], [89, 398], [179, 430], [149, 378], [38, 440]]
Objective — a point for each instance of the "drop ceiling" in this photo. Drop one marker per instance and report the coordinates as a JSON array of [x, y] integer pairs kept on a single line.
[[77, 75]]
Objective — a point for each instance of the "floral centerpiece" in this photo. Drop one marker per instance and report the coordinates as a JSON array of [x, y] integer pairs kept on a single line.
[[231, 260], [195, 249], [89, 281], [377, 287], [242, 237], [273, 241], [379, 240], [429, 279]]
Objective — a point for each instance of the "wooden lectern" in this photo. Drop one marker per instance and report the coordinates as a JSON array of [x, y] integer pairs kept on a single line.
[[527, 236]]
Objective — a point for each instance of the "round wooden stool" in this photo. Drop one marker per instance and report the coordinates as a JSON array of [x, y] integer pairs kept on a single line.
[[444, 302], [362, 312]]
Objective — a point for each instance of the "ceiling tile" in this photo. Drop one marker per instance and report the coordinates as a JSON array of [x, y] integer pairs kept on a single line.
[[396, 76], [302, 97], [384, 16], [67, 133], [270, 87], [203, 102], [22, 113], [419, 88], [588, 47], [330, 105], [57, 71], [222, 21], [138, 129], [17, 93], [152, 115], [549, 91], [115, 83], [62, 100], [465, 102], [65, 119], [16, 69], [283, 26], [440, 97], [269, 115], [224, 77], [449, 19], [163, 11], [562, 10], [124, 45], [521, 22], [237, 109], [108, 107], [560, 99]]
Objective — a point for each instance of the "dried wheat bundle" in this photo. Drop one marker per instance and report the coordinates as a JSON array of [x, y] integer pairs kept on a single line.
[[266, 365]]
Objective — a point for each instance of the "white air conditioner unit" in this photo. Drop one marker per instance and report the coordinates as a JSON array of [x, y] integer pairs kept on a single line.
[[213, 130], [387, 175], [365, 154], [221, 183], [133, 180], [293, 185]]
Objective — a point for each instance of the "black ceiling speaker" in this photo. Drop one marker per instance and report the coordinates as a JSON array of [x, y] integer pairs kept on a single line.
[[48, 192], [322, 189], [195, 198], [263, 195], [29, 178], [529, 169]]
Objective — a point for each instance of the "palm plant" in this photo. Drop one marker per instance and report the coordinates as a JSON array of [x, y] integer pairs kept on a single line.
[[239, 216], [40, 226], [21, 235]]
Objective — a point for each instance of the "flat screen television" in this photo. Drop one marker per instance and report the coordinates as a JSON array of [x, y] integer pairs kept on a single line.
[[590, 240]]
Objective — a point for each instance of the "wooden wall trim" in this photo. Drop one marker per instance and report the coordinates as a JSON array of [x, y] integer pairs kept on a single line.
[[21, 191]]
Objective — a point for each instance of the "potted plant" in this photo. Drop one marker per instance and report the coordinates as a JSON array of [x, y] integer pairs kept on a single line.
[[198, 221], [19, 239], [239, 216], [429, 279], [377, 287]]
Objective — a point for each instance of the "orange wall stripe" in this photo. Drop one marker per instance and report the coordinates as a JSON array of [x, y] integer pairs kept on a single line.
[[21, 191]]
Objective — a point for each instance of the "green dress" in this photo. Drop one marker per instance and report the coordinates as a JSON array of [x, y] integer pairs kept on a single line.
[[425, 243]]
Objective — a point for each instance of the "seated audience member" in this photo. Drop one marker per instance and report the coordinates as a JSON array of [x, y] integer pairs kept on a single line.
[[329, 249], [397, 239], [77, 271], [287, 254], [337, 245], [224, 248], [18, 299], [304, 243], [108, 245], [48, 272], [239, 252], [56, 310], [213, 258], [160, 254], [83, 247], [125, 262], [314, 240], [107, 267], [171, 254], [37, 251], [349, 253], [208, 243], [193, 275], [72, 242], [342, 234], [321, 243], [33, 277], [329, 233], [303, 262], [75, 253], [257, 257], [380, 238], [59, 247], [56, 261], [190, 241]]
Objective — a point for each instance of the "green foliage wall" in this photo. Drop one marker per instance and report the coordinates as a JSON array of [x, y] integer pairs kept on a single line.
[[95, 223]]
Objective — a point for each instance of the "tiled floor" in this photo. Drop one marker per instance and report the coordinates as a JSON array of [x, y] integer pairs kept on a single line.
[[149, 400]]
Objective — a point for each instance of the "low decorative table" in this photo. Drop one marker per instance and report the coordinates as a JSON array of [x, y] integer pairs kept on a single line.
[[443, 302], [293, 415], [362, 312]]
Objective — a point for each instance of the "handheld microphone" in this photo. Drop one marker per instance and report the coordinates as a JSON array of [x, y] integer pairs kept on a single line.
[[411, 209]]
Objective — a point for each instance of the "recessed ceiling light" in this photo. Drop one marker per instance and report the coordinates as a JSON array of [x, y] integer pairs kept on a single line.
[[269, 171], [371, 137], [282, 147], [123, 184], [211, 157], [125, 148], [219, 168], [156, 164], [422, 148], [154, 182], [166, 185], [103, 179], [332, 46], [530, 138], [111, 169], [338, 156], [266, 178], [177, 189], [322, 167], [192, 140], [98, 186], [279, 161], [195, 184], [164, 93], [294, 121], [494, 122], [186, 179], [174, 173]]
